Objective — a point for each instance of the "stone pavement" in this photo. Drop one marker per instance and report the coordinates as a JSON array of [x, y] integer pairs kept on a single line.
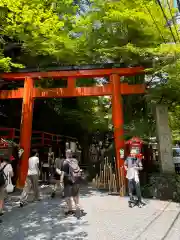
[[108, 218]]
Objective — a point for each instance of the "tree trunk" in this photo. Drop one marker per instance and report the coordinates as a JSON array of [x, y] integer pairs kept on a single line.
[[84, 142]]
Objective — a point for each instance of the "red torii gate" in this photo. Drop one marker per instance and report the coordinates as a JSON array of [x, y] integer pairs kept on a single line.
[[29, 93]]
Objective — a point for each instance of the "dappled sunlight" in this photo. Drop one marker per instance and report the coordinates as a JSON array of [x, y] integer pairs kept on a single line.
[[44, 220], [108, 217], [40, 236], [33, 224]]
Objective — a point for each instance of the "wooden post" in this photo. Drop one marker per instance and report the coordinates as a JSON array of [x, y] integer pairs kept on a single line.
[[117, 116], [26, 129], [71, 83]]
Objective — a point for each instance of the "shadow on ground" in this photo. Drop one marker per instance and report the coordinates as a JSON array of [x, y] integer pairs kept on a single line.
[[44, 220], [108, 218]]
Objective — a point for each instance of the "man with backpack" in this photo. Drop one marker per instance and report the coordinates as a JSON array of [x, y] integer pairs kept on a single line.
[[71, 176], [5, 172]]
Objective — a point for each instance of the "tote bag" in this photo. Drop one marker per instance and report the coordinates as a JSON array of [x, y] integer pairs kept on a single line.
[[9, 187]]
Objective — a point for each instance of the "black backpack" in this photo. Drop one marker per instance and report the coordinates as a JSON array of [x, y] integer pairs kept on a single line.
[[2, 176]]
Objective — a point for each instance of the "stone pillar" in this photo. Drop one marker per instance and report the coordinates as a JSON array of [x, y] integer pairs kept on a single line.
[[164, 139]]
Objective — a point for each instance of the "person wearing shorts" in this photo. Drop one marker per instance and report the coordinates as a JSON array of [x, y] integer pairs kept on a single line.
[[57, 176], [6, 167], [71, 190]]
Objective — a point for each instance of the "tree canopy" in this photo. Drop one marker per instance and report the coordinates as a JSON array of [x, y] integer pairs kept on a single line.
[[122, 31], [43, 33], [59, 33]]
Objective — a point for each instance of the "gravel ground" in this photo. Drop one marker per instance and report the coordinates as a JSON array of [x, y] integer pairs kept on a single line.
[[108, 218]]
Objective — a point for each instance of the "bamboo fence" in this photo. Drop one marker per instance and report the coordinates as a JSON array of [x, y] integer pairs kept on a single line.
[[110, 180]]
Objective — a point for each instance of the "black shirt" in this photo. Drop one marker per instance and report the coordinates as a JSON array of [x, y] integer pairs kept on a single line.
[[65, 169], [57, 165]]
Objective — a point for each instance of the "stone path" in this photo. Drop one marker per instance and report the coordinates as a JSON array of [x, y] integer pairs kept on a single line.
[[108, 218]]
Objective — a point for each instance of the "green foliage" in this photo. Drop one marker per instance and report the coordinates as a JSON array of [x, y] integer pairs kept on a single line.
[[40, 27], [118, 31], [122, 31], [55, 32], [6, 63], [174, 121], [87, 115]]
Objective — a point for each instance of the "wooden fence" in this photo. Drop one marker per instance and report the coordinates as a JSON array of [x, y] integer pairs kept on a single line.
[[109, 179]]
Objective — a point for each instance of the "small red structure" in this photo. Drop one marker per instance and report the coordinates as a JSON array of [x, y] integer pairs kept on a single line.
[[141, 150], [114, 88], [135, 146]]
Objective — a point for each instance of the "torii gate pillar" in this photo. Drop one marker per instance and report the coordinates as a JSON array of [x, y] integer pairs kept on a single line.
[[117, 116], [26, 129]]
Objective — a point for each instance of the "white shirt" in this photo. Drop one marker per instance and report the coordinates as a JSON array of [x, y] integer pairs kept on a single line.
[[7, 170], [132, 171], [132, 174], [33, 166]]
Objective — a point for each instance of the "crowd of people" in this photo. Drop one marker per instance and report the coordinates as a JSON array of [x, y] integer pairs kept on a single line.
[[66, 175]]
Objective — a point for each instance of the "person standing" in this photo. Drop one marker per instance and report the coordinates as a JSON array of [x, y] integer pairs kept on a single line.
[[47, 166], [32, 179], [51, 161], [6, 172], [71, 175], [57, 175], [133, 165]]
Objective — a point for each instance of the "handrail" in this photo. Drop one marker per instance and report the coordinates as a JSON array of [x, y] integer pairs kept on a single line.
[[45, 136], [35, 131]]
